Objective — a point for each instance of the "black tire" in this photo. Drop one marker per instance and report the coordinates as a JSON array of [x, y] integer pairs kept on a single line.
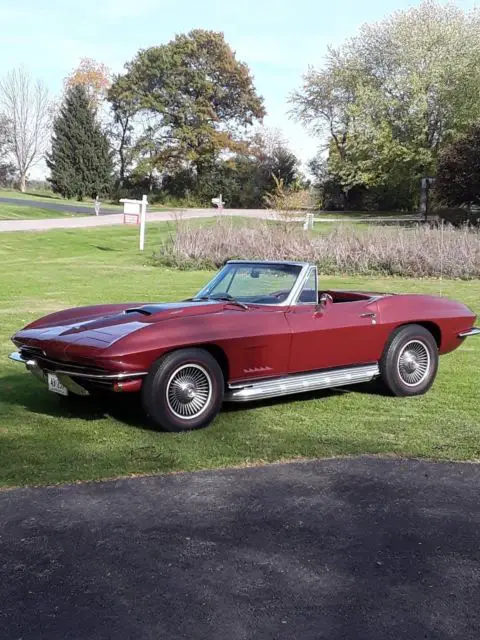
[[409, 363], [183, 390]]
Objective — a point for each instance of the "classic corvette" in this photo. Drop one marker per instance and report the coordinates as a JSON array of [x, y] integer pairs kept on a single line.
[[257, 330]]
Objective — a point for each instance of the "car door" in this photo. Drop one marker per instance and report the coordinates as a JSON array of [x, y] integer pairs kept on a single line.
[[334, 335]]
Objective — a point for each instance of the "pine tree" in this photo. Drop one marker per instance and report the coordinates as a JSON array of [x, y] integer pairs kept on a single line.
[[80, 160]]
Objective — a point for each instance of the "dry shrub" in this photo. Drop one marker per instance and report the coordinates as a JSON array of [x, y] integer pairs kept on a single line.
[[420, 251]]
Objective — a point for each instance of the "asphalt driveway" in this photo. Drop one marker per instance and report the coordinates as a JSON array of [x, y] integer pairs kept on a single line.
[[360, 549]]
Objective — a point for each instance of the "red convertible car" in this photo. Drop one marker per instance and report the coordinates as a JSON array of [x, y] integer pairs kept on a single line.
[[257, 330]]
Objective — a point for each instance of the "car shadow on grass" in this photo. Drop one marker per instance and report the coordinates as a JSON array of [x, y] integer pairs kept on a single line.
[[374, 388], [24, 391]]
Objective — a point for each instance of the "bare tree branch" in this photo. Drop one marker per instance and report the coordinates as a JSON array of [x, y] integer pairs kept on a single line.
[[27, 107]]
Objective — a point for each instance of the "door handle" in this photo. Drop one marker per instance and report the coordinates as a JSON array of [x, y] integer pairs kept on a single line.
[[371, 314]]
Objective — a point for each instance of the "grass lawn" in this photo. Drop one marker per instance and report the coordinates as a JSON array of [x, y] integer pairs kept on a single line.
[[43, 196], [51, 197], [44, 439], [362, 214], [29, 194], [17, 212]]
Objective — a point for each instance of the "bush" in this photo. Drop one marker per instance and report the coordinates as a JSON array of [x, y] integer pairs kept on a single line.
[[421, 251], [458, 172], [458, 217]]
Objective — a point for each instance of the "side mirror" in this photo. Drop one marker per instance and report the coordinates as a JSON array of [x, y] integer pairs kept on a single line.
[[324, 302]]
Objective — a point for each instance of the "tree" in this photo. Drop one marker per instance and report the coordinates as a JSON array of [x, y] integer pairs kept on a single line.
[[8, 173], [121, 131], [275, 159], [197, 96], [458, 175], [395, 95], [80, 160], [26, 106], [324, 102], [94, 76], [284, 166]]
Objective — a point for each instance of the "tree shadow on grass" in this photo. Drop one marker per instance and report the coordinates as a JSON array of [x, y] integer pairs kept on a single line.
[[100, 248], [44, 195]]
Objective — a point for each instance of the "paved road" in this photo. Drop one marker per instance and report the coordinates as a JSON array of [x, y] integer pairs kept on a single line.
[[117, 218], [112, 217], [354, 549]]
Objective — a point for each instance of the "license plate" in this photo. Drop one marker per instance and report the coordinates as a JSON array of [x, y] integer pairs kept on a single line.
[[56, 386]]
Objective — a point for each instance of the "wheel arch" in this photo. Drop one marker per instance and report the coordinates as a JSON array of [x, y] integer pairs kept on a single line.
[[213, 349], [220, 356], [430, 326]]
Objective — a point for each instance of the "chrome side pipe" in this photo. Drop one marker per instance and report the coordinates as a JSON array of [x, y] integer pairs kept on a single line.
[[301, 383]]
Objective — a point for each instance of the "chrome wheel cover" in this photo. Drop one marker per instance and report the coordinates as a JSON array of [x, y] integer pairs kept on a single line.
[[413, 363], [189, 391]]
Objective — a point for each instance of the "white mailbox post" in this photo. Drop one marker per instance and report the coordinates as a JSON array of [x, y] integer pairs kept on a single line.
[[218, 202], [135, 212]]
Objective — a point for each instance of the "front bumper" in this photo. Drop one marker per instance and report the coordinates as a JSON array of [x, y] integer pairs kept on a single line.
[[78, 382], [474, 331]]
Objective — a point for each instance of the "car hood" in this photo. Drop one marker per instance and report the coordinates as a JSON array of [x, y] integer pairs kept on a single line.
[[101, 326]]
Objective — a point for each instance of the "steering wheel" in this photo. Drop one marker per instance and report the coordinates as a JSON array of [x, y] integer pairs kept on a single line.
[[281, 295]]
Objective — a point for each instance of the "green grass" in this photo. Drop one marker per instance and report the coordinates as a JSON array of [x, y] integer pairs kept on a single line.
[[362, 214], [46, 440], [49, 196], [29, 194], [17, 212]]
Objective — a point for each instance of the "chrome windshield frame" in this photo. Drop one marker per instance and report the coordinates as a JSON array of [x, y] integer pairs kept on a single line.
[[296, 300], [304, 273]]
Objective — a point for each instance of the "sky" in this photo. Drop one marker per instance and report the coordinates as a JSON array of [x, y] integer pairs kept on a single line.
[[278, 39]]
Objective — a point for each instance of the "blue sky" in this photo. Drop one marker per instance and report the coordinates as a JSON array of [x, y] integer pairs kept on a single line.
[[278, 39]]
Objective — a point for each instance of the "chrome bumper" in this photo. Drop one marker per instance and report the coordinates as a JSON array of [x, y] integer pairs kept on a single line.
[[66, 375], [31, 365], [474, 331], [17, 357]]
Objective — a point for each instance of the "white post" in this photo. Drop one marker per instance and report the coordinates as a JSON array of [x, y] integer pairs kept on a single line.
[[143, 215], [308, 225]]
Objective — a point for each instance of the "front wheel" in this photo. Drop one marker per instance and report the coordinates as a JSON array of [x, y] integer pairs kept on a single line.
[[183, 390], [410, 361]]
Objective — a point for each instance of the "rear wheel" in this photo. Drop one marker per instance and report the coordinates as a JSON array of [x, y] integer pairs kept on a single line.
[[183, 390], [410, 361]]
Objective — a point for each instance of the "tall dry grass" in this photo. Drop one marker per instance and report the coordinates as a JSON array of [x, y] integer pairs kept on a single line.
[[420, 251]]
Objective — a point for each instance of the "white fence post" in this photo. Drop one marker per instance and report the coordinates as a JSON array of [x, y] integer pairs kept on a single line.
[[308, 224], [143, 215]]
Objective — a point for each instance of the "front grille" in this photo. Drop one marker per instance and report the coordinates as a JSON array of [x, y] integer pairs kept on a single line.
[[32, 352], [50, 364]]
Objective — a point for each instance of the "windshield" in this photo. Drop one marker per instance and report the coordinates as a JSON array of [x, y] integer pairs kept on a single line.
[[254, 283]]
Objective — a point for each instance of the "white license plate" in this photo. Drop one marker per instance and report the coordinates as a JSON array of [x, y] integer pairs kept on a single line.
[[56, 386]]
